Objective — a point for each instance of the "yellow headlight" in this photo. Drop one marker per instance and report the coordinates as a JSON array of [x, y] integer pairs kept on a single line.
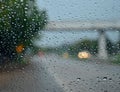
[[84, 55]]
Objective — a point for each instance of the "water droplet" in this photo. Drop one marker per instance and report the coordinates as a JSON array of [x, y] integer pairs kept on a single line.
[[78, 79], [110, 78], [105, 91], [104, 78]]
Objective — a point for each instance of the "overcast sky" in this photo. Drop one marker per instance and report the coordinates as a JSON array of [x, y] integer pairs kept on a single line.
[[77, 10], [81, 9]]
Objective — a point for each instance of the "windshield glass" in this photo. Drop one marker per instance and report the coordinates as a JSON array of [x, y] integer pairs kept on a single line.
[[60, 46]]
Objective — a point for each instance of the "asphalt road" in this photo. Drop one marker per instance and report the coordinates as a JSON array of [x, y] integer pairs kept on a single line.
[[52, 73], [81, 76], [32, 78]]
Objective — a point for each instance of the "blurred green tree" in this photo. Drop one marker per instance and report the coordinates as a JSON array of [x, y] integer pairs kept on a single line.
[[91, 46], [20, 21]]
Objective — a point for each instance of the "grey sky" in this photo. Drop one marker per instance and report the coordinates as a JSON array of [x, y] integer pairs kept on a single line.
[[77, 10], [81, 9]]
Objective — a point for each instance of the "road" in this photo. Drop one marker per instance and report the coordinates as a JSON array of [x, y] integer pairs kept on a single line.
[[32, 78], [80, 76], [52, 73]]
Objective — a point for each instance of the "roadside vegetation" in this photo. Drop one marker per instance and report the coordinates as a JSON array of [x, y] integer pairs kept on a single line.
[[20, 21], [90, 46]]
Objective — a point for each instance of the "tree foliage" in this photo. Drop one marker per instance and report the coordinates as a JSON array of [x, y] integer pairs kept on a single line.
[[91, 46], [20, 21]]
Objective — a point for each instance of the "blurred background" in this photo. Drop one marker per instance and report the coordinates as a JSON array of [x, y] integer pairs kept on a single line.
[[73, 41]]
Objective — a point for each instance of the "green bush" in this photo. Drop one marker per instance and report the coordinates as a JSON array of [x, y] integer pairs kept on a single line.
[[20, 21], [86, 44], [91, 46], [116, 59]]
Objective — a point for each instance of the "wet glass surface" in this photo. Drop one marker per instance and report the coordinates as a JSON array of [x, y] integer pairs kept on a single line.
[[60, 46]]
